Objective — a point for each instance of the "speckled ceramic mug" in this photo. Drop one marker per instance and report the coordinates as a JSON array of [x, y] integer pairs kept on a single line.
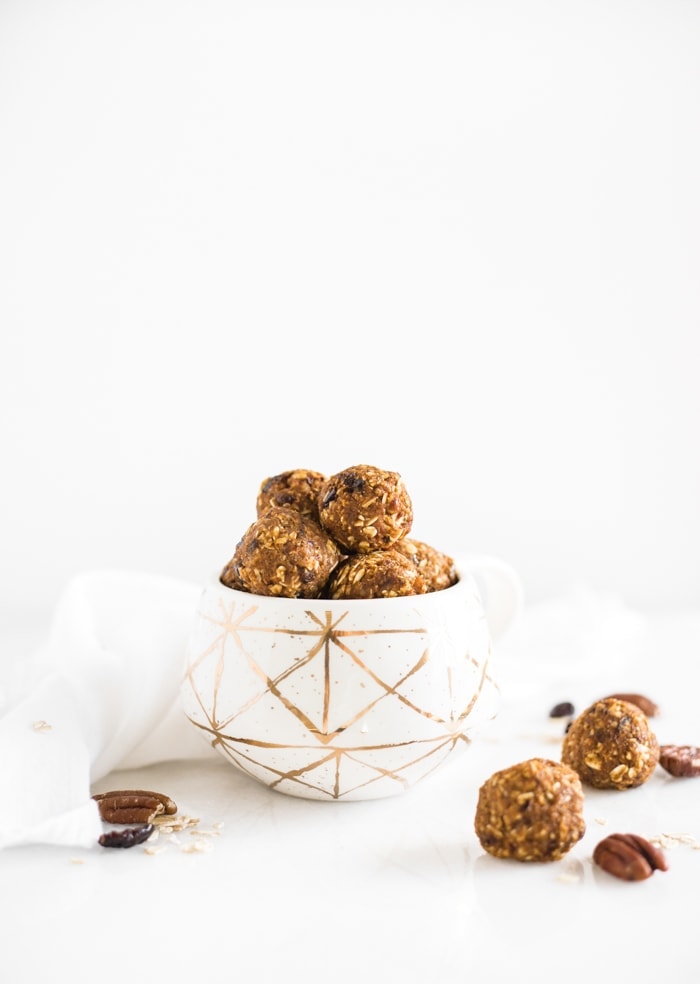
[[347, 700]]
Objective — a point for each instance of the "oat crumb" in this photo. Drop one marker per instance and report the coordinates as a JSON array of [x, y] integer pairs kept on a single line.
[[673, 840], [199, 846], [154, 849], [568, 877]]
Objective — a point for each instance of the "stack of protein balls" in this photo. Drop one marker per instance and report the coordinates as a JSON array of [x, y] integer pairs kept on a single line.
[[341, 536]]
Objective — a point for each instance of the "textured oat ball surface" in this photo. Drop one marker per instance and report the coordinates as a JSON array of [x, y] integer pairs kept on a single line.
[[438, 569], [531, 811], [365, 508], [378, 574], [611, 746], [283, 554], [229, 576], [297, 488]]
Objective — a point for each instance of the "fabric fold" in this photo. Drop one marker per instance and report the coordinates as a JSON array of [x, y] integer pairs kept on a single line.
[[104, 696]]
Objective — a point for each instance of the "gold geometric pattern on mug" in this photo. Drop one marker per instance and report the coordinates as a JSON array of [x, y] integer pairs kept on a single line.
[[428, 758], [322, 635]]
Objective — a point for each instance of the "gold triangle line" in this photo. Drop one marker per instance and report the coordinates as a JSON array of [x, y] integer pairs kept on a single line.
[[373, 676], [211, 718], [470, 707], [195, 664], [243, 762], [306, 746], [326, 679], [272, 685], [348, 633]]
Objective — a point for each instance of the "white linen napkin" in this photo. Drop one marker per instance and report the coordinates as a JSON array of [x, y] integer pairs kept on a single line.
[[101, 693]]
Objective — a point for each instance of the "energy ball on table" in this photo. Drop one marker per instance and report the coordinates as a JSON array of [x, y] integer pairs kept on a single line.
[[365, 508], [611, 746], [438, 570], [284, 554], [297, 488], [532, 811], [379, 574]]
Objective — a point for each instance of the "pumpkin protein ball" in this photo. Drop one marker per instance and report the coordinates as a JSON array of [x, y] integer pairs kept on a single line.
[[378, 574], [297, 488], [611, 746], [365, 508], [438, 569], [229, 576], [283, 554], [531, 811]]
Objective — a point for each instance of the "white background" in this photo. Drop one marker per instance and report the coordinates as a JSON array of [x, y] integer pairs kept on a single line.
[[456, 240]]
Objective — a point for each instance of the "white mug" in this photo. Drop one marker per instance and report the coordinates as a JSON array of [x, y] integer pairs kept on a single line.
[[348, 700]]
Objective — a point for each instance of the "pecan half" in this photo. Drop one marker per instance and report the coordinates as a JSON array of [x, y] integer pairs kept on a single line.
[[133, 805], [629, 856], [680, 760], [644, 704]]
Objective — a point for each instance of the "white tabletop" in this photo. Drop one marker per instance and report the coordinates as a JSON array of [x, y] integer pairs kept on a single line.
[[265, 887]]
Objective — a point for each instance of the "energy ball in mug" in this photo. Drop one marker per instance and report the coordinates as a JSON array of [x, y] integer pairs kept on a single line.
[[365, 508], [283, 554], [379, 574], [297, 489], [437, 569]]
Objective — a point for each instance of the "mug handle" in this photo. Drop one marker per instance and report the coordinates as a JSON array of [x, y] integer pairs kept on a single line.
[[500, 590]]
